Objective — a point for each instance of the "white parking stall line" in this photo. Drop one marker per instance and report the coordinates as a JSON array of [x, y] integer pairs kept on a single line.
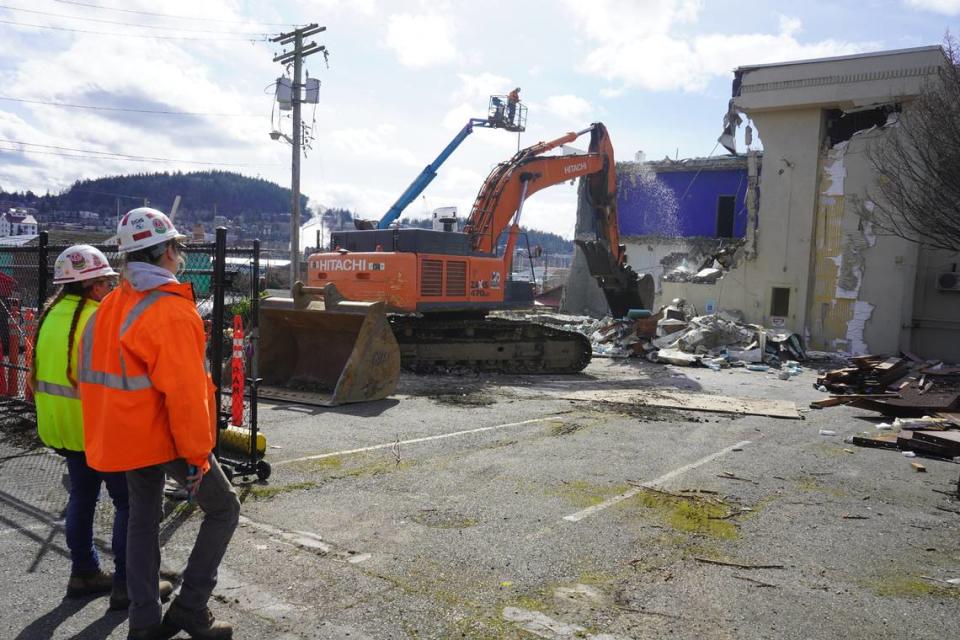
[[388, 445], [589, 511]]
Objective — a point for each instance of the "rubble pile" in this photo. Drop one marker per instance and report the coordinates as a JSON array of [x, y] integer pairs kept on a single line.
[[676, 334], [706, 268], [918, 399]]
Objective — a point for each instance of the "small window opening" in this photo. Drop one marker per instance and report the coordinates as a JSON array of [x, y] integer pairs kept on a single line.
[[780, 302], [725, 210]]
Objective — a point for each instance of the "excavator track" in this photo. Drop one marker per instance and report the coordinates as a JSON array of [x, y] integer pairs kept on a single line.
[[495, 345]]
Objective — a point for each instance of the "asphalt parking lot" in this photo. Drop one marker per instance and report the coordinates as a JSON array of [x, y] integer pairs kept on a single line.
[[473, 506]]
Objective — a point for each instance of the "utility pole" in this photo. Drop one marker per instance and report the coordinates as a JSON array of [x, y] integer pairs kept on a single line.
[[296, 56]]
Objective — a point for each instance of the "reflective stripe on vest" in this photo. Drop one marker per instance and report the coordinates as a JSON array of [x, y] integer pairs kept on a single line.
[[54, 389], [120, 382]]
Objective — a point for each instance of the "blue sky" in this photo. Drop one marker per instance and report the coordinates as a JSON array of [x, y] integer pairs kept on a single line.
[[403, 77]]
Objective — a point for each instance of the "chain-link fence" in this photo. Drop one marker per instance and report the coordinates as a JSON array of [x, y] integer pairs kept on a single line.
[[226, 286]]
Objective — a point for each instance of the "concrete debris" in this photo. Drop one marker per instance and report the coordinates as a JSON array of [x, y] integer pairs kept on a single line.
[[675, 335], [704, 263]]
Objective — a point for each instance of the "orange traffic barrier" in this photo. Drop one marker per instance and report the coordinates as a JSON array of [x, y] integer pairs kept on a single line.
[[28, 330], [236, 387], [3, 373], [13, 371]]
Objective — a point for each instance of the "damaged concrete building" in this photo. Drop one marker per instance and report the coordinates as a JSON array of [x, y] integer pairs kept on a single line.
[[808, 261], [685, 220]]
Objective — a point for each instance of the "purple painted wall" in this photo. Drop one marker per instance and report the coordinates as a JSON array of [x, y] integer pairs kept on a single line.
[[667, 204]]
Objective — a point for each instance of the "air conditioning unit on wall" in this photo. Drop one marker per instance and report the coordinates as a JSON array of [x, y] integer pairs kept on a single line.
[[949, 281]]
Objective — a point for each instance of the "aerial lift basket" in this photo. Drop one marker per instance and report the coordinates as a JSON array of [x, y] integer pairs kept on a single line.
[[317, 350]]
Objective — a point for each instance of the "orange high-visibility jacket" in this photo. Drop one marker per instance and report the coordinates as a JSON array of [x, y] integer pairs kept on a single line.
[[147, 397]]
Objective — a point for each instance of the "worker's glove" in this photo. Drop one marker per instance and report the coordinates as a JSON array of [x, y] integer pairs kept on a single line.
[[194, 477]]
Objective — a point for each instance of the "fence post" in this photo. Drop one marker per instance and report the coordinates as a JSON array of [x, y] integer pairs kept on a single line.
[[216, 329], [254, 329], [42, 267]]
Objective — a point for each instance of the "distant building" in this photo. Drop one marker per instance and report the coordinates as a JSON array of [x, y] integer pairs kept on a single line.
[[18, 223]]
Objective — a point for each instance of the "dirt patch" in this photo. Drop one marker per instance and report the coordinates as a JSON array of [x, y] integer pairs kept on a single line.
[[464, 397], [565, 428], [18, 425], [442, 519]]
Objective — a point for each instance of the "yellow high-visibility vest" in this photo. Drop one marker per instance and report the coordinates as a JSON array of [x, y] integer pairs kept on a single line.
[[59, 414]]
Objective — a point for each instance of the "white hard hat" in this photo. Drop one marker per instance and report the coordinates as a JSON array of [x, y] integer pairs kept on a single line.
[[145, 227], [81, 262]]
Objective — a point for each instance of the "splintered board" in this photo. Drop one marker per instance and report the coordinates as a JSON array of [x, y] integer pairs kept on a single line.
[[689, 401]]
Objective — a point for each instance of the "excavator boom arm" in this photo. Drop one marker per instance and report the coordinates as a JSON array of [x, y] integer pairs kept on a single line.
[[501, 194]]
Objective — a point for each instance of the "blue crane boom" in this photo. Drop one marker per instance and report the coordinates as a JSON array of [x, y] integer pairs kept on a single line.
[[429, 173]]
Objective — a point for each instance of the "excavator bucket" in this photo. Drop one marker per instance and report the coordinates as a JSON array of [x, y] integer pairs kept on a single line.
[[624, 288], [311, 354]]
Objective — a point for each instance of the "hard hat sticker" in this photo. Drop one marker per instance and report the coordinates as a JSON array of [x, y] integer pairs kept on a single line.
[[76, 259]]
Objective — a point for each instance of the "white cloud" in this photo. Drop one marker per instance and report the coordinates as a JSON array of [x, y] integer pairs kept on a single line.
[[946, 7], [421, 40], [568, 107], [372, 144], [638, 46], [480, 87]]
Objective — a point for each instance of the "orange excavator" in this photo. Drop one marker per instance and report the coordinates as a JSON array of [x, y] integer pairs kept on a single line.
[[439, 286], [333, 342]]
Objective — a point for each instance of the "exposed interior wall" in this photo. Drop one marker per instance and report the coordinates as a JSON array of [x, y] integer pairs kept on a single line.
[[864, 278], [680, 203]]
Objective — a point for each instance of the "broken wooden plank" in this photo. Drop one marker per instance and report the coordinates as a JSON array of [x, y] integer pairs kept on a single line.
[[882, 441], [832, 401], [687, 401], [724, 563], [919, 468], [907, 442], [854, 396]]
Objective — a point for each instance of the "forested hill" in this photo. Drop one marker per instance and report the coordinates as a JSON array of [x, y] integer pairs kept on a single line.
[[202, 192]]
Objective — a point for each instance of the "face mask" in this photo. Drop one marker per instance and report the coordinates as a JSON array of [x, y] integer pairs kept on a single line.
[[181, 265]]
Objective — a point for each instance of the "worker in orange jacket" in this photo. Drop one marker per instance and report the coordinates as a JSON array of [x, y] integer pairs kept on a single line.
[[148, 410]]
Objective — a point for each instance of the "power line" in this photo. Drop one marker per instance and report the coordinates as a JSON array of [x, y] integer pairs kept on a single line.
[[130, 24], [109, 155], [171, 16], [130, 35], [151, 111]]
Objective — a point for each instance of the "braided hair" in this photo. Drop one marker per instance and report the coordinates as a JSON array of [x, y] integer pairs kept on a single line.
[[74, 288]]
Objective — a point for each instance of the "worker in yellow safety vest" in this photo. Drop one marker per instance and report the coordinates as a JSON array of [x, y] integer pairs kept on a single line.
[[86, 278]]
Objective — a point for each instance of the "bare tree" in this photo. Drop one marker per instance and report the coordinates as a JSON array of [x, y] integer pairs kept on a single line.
[[917, 164]]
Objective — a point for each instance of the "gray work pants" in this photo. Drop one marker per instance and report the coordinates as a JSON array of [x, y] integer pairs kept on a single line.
[[221, 511]]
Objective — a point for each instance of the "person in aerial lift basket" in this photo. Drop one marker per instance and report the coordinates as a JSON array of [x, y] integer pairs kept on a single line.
[[148, 410], [85, 278], [513, 98]]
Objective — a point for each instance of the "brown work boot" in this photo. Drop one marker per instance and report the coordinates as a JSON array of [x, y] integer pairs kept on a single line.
[[89, 583], [158, 631], [120, 600], [201, 625]]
